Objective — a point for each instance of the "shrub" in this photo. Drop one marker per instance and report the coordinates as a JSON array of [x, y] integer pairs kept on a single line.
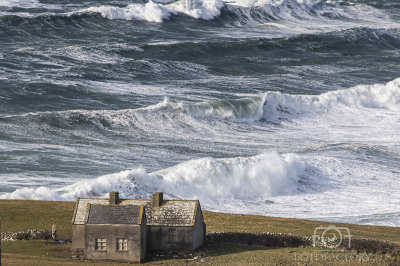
[[43, 235], [23, 236]]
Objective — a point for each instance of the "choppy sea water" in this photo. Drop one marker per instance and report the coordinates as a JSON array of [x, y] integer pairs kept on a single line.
[[284, 108]]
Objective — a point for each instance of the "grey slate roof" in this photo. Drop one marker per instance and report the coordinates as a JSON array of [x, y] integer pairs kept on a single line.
[[171, 212], [102, 214]]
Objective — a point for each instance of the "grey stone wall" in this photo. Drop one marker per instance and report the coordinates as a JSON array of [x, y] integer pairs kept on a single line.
[[143, 235], [198, 230], [159, 237], [133, 233], [78, 236], [25, 235]]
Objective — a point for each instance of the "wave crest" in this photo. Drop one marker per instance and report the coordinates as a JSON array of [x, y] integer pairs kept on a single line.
[[172, 115], [383, 96], [242, 110], [207, 179], [150, 12], [155, 12]]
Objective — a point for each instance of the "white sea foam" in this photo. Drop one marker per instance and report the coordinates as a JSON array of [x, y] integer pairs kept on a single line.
[[314, 182], [274, 3], [328, 183], [271, 104], [257, 177], [381, 96], [117, 87], [155, 12], [205, 9], [87, 54], [295, 16], [246, 109], [171, 119], [288, 185], [26, 4], [41, 193], [150, 12], [19, 3]]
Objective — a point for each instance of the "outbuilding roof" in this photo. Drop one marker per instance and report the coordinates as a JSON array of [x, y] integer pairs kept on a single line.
[[170, 213]]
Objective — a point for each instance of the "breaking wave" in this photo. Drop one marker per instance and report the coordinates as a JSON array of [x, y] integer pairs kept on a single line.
[[242, 11], [150, 12], [207, 179], [383, 96], [169, 115], [233, 11], [155, 12], [246, 109]]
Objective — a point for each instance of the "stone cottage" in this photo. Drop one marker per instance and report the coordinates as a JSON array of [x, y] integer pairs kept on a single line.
[[114, 228], [115, 232]]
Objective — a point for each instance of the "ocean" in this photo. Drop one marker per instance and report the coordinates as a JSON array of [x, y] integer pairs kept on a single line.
[[287, 108]]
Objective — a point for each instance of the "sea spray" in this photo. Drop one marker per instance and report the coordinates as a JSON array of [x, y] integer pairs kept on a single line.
[[241, 110], [150, 11], [82, 100], [379, 96], [155, 12], [207, 179]]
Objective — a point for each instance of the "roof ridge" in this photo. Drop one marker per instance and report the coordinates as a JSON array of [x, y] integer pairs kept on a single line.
[[171, 213]]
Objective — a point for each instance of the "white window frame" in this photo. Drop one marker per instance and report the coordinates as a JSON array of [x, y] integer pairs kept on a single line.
[[122, 244], [101, 244]]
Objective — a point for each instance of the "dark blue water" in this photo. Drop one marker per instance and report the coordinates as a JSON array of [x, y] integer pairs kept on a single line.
[[114, 93]]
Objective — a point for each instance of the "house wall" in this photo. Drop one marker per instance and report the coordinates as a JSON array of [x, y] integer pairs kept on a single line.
[[159, 237], [133, 233], [198, 230], [143, 235], [78, 236]]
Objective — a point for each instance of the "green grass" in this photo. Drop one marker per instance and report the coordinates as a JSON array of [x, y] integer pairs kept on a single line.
[[43, 253], [253, 223], [20, 215], [41, 248]]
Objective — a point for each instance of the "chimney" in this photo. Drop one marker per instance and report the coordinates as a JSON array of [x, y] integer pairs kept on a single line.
[[114, 197], [157, 199]]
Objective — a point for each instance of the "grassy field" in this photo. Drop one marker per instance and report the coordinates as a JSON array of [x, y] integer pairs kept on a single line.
[[20, 215]]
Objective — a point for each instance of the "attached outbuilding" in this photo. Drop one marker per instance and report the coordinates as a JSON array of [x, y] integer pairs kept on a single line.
[[153, 224]]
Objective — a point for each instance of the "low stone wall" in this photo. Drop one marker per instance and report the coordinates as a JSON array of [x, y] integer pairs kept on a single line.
[[25, 235], [258, 239], [287, 240]]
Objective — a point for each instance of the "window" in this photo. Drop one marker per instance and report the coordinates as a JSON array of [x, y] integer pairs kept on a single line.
[[172, 235], [122, 244], [101, 244], [141, 243]]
